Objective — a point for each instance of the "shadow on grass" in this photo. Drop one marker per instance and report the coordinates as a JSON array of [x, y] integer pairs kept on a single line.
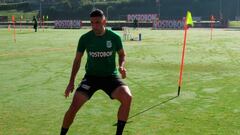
[[148, 109]]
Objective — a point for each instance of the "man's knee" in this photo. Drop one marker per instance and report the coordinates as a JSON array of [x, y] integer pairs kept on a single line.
[[73, 109], [127, 99], [125, 95], [78, 100]]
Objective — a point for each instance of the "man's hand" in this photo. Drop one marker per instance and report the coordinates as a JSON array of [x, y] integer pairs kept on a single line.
[[123, 72], [69, 89]]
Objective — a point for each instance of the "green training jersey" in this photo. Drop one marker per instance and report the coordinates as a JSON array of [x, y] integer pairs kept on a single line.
[[101, 52]]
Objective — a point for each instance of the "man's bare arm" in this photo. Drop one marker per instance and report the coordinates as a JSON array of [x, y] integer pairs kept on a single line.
[[75, 68], [121, 62]]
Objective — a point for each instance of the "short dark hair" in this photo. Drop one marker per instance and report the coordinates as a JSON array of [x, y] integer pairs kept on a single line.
[[97, 13]]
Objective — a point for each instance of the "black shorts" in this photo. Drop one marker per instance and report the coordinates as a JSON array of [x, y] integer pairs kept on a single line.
[[90, 84]]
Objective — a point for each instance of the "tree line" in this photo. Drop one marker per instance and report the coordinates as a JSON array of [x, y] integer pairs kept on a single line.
[[118, 9]]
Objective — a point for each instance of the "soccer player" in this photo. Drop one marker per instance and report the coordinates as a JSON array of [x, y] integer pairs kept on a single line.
[[35, 23], [135, 23], [101, 46]]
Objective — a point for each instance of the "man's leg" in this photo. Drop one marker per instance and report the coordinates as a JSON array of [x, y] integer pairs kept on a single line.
[[78, 100], [123, 95]]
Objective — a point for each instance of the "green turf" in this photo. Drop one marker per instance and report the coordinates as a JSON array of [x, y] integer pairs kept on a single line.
[[234, 24], [34, 73]]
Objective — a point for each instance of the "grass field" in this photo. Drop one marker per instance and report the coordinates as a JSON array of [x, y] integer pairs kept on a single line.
[[34, 73], [234, 24]]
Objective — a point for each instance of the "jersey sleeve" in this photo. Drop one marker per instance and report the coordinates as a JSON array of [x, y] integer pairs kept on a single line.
[[119, 44], [81, 45]]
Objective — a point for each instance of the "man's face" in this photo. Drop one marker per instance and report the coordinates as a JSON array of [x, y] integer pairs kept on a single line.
[[98, 24]]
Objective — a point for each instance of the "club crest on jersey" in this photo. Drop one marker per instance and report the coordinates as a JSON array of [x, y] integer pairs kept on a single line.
[[109, 44]]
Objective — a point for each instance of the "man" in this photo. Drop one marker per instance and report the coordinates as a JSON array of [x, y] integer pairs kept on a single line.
[[135, 23], [35, 23], [101, 46]]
